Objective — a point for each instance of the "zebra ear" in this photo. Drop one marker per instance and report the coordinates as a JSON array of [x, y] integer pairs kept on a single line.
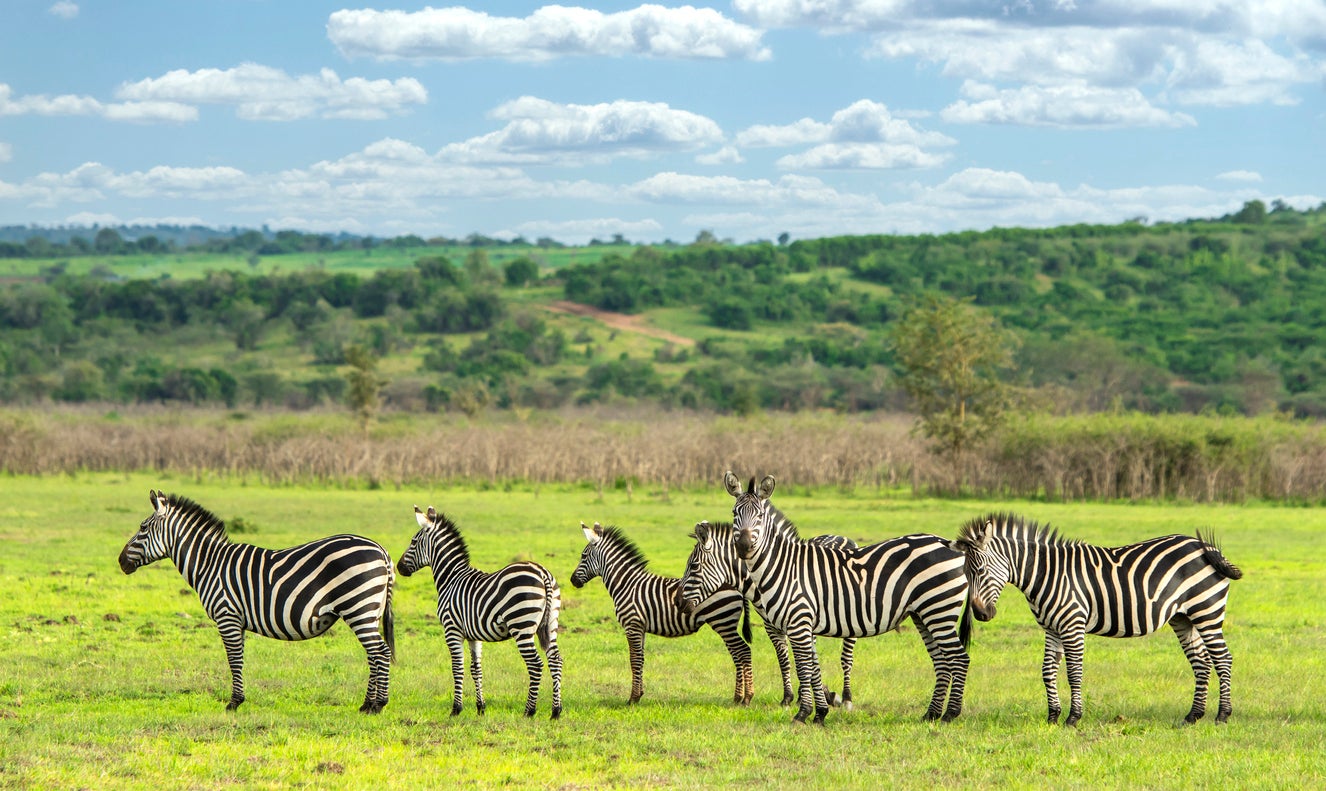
[[152, 498], [766, 487], [958, 546], [590, 536], [424, 520], [732, 484]]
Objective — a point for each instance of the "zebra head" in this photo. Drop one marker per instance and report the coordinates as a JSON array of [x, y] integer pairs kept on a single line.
[[591, 559], [749, 513], [150, 543], [987, 568], [420, 552], [706, 570]]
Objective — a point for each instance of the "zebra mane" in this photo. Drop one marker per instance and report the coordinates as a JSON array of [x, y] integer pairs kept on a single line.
[[198, 518], [784, 525], [615, 536], [1012, 527], [446, 529]]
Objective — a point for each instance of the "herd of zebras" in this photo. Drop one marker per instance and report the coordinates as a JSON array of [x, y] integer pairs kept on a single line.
[[802, 588]]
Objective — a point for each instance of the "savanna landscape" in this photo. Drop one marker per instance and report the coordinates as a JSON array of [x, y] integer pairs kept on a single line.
[[300, 394]]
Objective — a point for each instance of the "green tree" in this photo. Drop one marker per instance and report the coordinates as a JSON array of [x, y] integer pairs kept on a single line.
[[521, 271], [364, 383], [951, 355]]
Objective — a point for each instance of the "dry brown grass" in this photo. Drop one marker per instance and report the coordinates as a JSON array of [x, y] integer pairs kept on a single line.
[[1077, 458]]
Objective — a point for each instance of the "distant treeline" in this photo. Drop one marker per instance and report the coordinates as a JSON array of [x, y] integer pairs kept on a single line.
[[1226, 316], [19, 241]]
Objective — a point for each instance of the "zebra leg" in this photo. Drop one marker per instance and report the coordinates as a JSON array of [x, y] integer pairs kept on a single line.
[[737, 648], [232, 637], [476, 672], [529, 651], [936, 708], [845, 661], [379, 668], [1195, 650], [779, 641], [809, 680], [635, 642], [1074, 646], [555, 672], [1050, 675], [1213, 637], [456, 648]]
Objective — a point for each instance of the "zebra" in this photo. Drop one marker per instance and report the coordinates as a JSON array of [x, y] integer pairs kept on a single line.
[[646, 603], [1075, 589], [809, 590], [521, 600], [288, 594], [729, 572]]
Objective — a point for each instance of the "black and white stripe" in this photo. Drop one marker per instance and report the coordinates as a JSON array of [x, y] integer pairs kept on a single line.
[[521, 600], [725, 570], [646, 603], [1075, 589], [287, 594], [809, 590]]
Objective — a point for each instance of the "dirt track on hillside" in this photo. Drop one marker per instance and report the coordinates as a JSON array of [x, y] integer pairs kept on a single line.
[[618, 321]]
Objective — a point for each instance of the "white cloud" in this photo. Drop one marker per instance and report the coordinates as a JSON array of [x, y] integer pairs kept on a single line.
[[263, 93], [1067, 105], [64, 9], [861, 156], [1231, 73], [540, 131], [1250, 176], [69, 104], [6, 152], [459, 33], [727, 155], [91, 218]]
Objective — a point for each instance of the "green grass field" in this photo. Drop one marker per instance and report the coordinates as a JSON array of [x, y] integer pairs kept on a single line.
[[120, 682]]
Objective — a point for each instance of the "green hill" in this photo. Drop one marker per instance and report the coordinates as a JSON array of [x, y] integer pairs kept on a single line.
[[1226, 314]]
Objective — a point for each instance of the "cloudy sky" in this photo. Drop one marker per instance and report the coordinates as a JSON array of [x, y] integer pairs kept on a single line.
[[748, 118]]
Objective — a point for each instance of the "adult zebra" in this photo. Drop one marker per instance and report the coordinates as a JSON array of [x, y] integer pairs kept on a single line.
[[288, 594], [1075, 589], [809, 590], [520, 600], [727, 571]]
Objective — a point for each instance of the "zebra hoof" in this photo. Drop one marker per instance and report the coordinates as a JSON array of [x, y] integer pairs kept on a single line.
[[455, 711], [234, 704], [1071, 722], [847, 705], [556, 713]]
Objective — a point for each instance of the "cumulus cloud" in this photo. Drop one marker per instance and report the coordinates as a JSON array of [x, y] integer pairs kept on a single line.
[[863, 135], [1068, 105], [64, 9], [459, 33], [582, 230], [263, 93], [540, 131], [6, 152], [1251, 176], [727, 155], [70, 104]]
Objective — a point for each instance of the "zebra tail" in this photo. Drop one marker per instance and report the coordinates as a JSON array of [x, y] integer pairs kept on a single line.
[[388, 618], [552, 602], [964, 623], [1212, 554], [745, 620]]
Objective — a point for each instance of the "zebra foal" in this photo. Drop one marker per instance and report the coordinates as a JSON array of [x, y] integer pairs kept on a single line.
[[1075, 589], [287, 594], [646, 603], [520, 601]]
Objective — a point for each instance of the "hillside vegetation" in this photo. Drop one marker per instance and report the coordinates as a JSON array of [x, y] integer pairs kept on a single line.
[[1226, 315]]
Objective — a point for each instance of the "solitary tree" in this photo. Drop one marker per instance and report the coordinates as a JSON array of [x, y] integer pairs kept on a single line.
[[365, 384], [951, 355]]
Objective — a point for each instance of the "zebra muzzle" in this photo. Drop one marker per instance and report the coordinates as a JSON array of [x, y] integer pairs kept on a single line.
[[127, 565]]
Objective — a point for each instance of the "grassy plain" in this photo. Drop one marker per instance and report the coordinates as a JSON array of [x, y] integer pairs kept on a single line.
[[137, 700]]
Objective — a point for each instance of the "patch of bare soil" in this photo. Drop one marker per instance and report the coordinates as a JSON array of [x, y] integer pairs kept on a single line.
[[618, 321]]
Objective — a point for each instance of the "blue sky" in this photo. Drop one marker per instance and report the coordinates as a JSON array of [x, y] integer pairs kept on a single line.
[[748, 118]]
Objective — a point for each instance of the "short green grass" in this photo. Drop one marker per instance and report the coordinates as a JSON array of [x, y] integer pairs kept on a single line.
[[137, 700]]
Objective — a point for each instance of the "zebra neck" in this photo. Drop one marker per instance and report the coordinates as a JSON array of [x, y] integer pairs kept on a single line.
[[451, 571], [196, 554], [622, 573]]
